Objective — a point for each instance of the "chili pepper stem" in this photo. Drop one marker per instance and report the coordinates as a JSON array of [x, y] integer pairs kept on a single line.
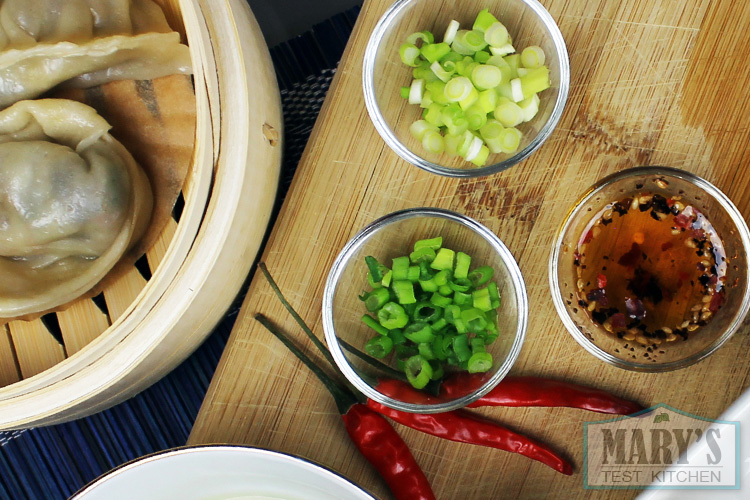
[[323, 349], [391, 372], [344, 398]]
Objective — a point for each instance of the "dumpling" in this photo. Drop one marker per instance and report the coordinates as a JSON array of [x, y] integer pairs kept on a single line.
[[44, 43], [72, 202]]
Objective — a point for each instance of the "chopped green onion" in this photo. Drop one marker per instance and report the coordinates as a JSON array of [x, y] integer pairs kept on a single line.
[[443, 259], [425, 350], [481, 157], [502, 50], [426, 311], [481, 299], [400, 268], [377, 270], [435, 51], [535, 81], [420, 127], [532, 57], [476, 117], [514, 62], [487, 101], [439, 300], [510, 139], [463, 261], [471, 39], [443, 276], [434, 243], [497, 35], [419, 333], [508, 113], [433, 115], [379, 347], [516, 91], [415, 91], [494, 294], [428, 285], [372, 323], [437, 92], [453, 143], [482, 57], [418, 371], [480, 362], [474, 149], [458, 89], [392, 315], [484, 20], [425, 36], [459, 285], [450, 31], [409, 54], [433, 142], [469, 101], [461, 298], [491, 135], [404, 291], [529, 107], [375, 299], [481, 275], [441, 72], [461, 347], [397, 336], [486, 76], [404, 92], [422, 254]]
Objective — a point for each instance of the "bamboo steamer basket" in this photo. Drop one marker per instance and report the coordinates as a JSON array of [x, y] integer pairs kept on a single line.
[[204, 258]]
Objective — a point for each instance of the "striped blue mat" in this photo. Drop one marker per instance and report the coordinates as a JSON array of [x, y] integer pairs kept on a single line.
[[52, 463]]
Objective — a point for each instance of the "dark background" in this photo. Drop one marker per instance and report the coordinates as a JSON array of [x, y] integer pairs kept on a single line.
[[281, 20]]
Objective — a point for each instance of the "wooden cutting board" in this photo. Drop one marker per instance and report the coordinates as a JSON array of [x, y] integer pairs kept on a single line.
[[653, 83]]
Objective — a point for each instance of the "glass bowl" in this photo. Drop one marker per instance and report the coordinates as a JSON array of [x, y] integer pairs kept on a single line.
[[670, 273], [528, 23], [394, 235]]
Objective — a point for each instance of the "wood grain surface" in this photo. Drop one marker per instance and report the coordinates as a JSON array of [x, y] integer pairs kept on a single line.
[[653, 83]]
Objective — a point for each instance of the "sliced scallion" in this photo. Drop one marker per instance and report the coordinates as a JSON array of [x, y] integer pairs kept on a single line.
[[450, 31], [409, 54], [497, 35], [458, 89], [415, 91], [532, 57]]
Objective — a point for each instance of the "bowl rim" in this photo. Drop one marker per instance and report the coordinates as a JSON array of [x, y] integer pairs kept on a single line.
[[554, 283], [356, 242], [259, 452], [373, 110]]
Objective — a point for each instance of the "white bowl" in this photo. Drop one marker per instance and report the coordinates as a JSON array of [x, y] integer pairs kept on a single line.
[[221, 473]]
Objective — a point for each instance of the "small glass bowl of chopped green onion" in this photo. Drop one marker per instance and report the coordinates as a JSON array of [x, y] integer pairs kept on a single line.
[[465, 89], [419, 295]]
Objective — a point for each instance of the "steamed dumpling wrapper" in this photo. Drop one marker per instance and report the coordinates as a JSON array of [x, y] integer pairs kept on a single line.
[[44, 43], [72, 202]]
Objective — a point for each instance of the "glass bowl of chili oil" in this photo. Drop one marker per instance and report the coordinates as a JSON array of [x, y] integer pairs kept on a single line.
[[649, 269], [438, 331], [385, 75]]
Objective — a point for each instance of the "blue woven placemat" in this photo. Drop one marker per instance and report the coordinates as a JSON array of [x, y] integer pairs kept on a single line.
[[51, 463]]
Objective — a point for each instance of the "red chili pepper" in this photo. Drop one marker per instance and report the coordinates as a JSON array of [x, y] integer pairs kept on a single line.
[[537, 391], [465, 427], [379, 443], [373, 436]]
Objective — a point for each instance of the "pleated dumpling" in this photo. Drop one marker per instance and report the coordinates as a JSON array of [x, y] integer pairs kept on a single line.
[[72, 202], [44, 43]]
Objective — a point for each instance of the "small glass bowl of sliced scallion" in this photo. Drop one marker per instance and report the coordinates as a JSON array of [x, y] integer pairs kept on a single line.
[[467, 88], [419, 295]]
